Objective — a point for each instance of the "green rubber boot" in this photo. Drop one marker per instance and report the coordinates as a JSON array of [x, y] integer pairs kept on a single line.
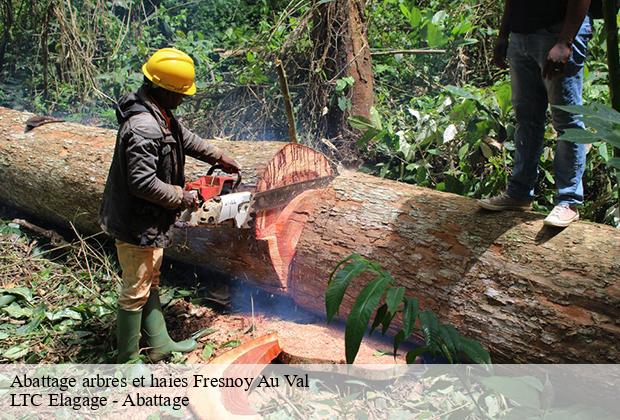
[[128, 335], [154, 328]]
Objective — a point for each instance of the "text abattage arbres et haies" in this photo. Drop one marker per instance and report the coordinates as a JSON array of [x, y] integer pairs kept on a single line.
[[49, 383]]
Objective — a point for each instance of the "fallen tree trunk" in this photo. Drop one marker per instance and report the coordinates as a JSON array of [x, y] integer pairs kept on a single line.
[[526, 292]]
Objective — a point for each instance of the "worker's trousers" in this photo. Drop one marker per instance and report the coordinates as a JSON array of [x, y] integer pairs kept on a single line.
[[531, 96], [140, 272]]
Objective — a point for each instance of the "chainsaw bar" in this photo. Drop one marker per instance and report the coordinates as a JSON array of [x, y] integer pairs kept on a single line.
[[281, 196]]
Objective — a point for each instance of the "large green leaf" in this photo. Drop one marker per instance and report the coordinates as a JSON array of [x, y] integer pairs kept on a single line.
[[503, 97], [393, 298], [387, 320], [474, 350], [600, 111], [450, 337], [381, 312], [360, 314], [430, 327], [577, 135], [410, 314], [354, 265]]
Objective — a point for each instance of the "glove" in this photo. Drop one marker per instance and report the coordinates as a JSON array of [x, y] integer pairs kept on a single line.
[[229, 165], [189, 201]]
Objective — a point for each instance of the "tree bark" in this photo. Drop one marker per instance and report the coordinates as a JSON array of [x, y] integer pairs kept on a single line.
[[527, 292], [341, 50]]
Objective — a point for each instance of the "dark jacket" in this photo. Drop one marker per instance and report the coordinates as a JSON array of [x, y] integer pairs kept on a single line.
[[144, 189]]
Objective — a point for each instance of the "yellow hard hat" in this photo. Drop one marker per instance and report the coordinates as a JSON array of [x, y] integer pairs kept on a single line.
[[172, 70]]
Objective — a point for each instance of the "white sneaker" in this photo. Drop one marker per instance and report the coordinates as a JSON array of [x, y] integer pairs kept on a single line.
[[562, 215]]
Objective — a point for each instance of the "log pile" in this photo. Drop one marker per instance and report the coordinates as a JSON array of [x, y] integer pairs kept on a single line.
[[527, 292]]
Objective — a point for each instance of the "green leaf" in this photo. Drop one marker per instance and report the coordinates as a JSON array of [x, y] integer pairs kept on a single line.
[[16, 352], [381, 312], [37, 317], [474, 350], [344, 103], [6, 300], [338, 283], [430, 327], [360, 122], [394, 297], [486, 150], [14, 310], [415, 17], [503, 97], [435, 36], [207, 351], [63, 314], [410, 314], [375, 118], [577, 135], [450, 336], [357, 322], [231, 344], [413, 354], [18, 291], [600, 111], [387, 320], [462, 93]]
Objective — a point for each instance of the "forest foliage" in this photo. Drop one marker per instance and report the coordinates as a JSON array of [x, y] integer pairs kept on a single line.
[[440, 120]]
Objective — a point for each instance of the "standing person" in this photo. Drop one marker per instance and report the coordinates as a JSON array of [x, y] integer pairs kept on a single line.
[[546, 50], [144, 192]]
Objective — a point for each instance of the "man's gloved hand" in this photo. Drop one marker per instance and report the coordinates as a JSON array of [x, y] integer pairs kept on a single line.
[[229, 165], [499, 52], [189, 201], [557, 58]]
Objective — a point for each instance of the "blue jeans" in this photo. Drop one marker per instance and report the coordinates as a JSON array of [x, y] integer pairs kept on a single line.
[[531, 95]]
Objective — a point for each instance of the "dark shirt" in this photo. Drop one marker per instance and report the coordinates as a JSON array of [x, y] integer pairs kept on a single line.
[[527, 16]]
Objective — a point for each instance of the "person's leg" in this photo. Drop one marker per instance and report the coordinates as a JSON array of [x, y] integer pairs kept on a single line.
[[529, 99], [153, 323], [137, 268], [570, 158]]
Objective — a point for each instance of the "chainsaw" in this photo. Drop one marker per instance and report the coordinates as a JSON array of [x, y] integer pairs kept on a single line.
[[222, 203]]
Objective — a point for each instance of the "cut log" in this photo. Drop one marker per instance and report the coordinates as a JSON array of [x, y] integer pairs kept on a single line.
[[245, 361], [527, 292]]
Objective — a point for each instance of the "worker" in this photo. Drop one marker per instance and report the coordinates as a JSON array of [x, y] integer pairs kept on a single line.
[[144, 194], [546, 44]]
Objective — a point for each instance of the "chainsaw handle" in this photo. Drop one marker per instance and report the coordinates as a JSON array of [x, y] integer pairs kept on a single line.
[[216, 166]]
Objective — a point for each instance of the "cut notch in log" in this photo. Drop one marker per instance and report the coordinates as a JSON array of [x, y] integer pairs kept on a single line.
[[281, 228]]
